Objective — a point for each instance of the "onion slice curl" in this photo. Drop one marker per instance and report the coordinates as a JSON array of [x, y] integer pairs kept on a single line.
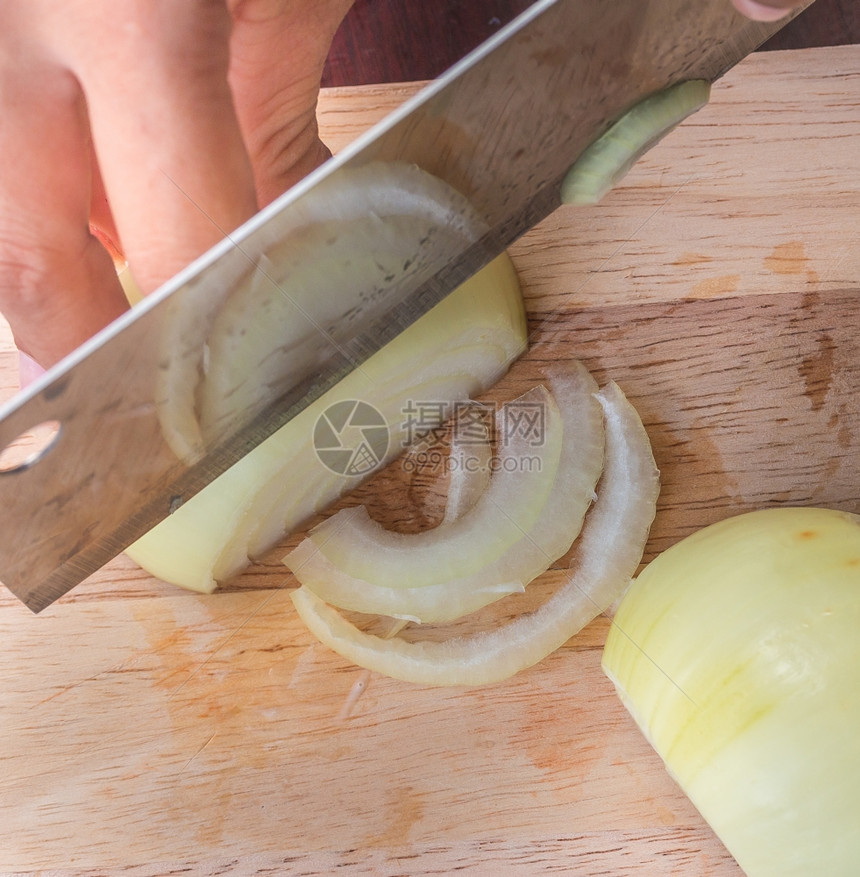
[[609, 552], [551, 536]]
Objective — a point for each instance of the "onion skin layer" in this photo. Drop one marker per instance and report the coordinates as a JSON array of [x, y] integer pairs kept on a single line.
[[737, 652]]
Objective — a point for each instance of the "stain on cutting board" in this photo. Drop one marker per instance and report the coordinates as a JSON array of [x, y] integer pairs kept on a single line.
[[787, 258]]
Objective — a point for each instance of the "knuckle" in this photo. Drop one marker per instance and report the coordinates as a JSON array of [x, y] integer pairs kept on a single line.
[[257, 11]]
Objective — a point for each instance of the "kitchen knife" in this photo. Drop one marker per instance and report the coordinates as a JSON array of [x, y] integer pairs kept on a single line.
[[502, 127]]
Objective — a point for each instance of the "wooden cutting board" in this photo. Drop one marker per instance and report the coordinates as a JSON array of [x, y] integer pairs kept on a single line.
[[149, 731]]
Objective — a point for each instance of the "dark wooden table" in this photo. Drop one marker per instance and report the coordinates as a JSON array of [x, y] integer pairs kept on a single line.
[[407, 40]]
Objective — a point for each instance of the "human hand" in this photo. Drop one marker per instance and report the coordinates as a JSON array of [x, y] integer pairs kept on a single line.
[[161, 125], [766, 10]]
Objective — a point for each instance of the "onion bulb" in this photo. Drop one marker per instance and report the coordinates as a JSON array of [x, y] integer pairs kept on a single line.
[[737, 652], [609, 550], [605, 163]]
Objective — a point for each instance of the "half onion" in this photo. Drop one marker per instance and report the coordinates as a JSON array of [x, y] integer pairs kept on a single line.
[[737, 653]]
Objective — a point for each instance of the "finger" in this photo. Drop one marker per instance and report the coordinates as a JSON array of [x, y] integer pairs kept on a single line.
[[57, 284], [771, 10], [166, 135], [278, 49]]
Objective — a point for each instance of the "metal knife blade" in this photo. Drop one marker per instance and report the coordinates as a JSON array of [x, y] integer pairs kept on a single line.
[[502, 127]]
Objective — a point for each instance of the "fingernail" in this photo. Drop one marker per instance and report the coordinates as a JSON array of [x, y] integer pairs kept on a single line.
[[28, 370], [761, 11]]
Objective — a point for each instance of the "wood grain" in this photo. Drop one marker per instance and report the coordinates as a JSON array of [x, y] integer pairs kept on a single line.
[[149, 731]]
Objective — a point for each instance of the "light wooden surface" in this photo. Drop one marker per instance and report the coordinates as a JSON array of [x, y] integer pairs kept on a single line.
[[148, 731]]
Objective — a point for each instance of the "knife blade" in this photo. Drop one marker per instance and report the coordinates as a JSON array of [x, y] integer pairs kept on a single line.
[[502, 127]]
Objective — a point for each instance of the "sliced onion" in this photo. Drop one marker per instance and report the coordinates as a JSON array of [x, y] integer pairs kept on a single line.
[[551, 536], [439, 603], [609, 552], [454, 352], [224, 344], [509, 507], [605, 163], [362, 548], [364, 225], [469, 479]]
